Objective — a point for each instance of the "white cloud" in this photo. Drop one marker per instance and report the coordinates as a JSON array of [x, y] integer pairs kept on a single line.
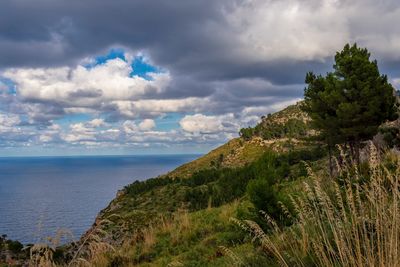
[[9, 129], [200, 123], [130, 127], [9, 120], [11, 132], [313, 29], [45, 138], [157, 107], [305, 30], [45, 94], [251, 62], [80, 132], [264, 110], [107, 90], [147, 125], [50, 134], [80, 87], [96, 123]]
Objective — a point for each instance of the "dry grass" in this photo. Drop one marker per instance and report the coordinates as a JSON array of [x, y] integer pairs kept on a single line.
[[149, 238], [91, 251], [41, 254], [140, 243], [349, 222], [235, 259]]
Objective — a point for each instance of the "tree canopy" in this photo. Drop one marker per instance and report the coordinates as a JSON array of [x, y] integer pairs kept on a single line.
[[350, 103]]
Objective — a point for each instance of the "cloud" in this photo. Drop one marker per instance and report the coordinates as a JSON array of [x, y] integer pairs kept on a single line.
[[220, 37], [147, 125], [299, 30], [130, 127], [215, 66], [8, 122], [11, 132], [157, 107], [96, 123], [80, 87], [50, 134], [79, 132], [200, 123]]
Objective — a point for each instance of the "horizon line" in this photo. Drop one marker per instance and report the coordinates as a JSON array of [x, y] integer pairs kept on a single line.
[[103, 155]]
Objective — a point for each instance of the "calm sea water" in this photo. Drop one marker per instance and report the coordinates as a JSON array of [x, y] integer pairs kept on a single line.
[[40, 195]]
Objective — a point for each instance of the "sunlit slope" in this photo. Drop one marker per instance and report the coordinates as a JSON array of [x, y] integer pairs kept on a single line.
[[279, 131]]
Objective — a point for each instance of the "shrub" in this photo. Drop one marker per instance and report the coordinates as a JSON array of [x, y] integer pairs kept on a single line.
[[356, 224], [14, 246], [246, 133], [391, 136], [138, 187], [264, 196]]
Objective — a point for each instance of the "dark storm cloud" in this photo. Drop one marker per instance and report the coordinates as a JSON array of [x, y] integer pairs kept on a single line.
[[237, 53], [189, 38], [87, 27]]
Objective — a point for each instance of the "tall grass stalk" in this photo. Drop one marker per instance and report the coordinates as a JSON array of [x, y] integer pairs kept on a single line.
[[351, 221]]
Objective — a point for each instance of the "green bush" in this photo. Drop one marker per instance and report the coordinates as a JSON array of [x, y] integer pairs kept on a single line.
[[138, 187], [218, 186], [246, 133], [14, 246], [264, 196], [293, 128], [391, 136]]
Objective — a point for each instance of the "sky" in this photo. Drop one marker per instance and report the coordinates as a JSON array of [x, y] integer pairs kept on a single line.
[[100, 77]]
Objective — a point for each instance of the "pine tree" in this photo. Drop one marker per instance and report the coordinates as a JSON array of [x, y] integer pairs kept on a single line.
[[349, 104]]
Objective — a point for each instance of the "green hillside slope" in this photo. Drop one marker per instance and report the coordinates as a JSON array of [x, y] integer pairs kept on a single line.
[[208, 191], [277, 131], [184, 217]]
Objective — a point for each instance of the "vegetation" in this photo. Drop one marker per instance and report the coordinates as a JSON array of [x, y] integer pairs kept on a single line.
[[12, 245], [350, 103], [351, 223], [216, 187], [11, 251], [289, 123], [273, 183], [234, 153], [247, 133], [391, 136]]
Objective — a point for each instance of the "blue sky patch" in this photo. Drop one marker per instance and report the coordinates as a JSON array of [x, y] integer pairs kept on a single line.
[[112, 54], [168, 122], [73, 118], [11, 88], [142, 68]]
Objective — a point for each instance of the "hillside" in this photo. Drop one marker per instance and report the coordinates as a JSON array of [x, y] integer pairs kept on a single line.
[[205, 193], [196, 215], [281, 194], [183, 218], [275, 186], [277, 131]]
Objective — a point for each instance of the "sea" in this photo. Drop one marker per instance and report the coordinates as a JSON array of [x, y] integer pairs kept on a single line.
[[42, 196]]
